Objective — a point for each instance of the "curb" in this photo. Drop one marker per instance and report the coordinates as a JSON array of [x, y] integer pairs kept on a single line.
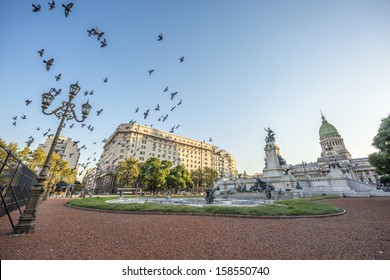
[[210, 214]]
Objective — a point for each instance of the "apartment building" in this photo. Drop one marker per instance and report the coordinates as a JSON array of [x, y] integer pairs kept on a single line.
[[143, 142], [65, 148]]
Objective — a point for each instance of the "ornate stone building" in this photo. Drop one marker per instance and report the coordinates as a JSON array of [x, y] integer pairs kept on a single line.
[[335, 154]]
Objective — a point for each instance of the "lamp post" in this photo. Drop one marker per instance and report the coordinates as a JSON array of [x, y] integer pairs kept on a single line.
[[65, 112]]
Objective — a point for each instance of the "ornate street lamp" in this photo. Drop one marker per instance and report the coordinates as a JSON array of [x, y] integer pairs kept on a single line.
[[65, 112]]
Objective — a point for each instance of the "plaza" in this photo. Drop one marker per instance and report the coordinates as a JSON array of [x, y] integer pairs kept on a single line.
[[65, 233]]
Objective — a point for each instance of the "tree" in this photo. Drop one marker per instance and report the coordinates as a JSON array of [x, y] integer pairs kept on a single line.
[[153, 173], [13, 147], [24, 155], [3, 154], [59, 172], [127, 172], [197, 178], [179, 178], [210, 176], [204, 177], [37, 159], [381, 159], [381, 141]]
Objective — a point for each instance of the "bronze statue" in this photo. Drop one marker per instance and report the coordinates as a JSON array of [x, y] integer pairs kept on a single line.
[[270, 136], [210, 195]]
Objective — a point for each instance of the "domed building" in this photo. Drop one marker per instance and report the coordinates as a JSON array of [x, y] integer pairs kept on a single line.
[[334, 173], [332, 144], [335, 156]]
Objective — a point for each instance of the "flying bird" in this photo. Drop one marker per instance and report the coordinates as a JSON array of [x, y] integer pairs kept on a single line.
[[146, 114], [49, 63], [91, 92], [177, 126], [150, 72], [160, 37], [58, 77], [165, 117], [178, 104], [103, 43], [71, 125], [41, 51], [172, 130], [157, 107], [181, 59], [86, 93], [98, 112], [67, 8], [95, 31], [166, 89], [136, 110], [105, 80], [15, 118], [28, 101], [52, 5], [210, 140], [173, 108], [38, 128], [14, 123], [91, 32], [23, 117], [173, 94], [98, 34], [57, 92], [37, 8]]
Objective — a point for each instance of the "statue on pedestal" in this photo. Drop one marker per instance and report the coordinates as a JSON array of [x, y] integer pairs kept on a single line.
[[270, 136]]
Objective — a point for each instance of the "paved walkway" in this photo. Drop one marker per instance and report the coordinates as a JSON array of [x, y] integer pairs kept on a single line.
[[66, 233]]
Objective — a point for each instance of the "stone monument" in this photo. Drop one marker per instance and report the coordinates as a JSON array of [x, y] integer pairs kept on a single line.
[[276, 169]]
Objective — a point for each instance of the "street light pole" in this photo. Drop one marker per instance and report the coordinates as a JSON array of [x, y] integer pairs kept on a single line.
[[26, 222]]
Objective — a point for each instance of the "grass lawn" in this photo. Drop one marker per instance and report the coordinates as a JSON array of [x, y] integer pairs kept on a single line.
[[294, 207]]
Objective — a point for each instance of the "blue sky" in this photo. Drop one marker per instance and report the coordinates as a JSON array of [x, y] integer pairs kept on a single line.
[[248, 65]]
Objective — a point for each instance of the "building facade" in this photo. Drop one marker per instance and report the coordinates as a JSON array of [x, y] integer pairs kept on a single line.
[[65, 148], [89, 179], [334, 153], [143, 142]]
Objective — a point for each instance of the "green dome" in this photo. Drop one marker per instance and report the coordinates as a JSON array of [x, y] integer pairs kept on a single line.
[[327, 130]]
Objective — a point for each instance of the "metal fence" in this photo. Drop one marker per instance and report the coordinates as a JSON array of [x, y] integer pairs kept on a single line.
[[16, 179]]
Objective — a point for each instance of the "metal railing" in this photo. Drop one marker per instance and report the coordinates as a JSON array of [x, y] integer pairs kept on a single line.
[[16, 179]]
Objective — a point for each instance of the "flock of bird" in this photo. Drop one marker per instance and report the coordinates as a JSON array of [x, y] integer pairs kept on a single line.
[[163, 117], [49, 63], [96, 32], [144, 114], [52, 5]]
